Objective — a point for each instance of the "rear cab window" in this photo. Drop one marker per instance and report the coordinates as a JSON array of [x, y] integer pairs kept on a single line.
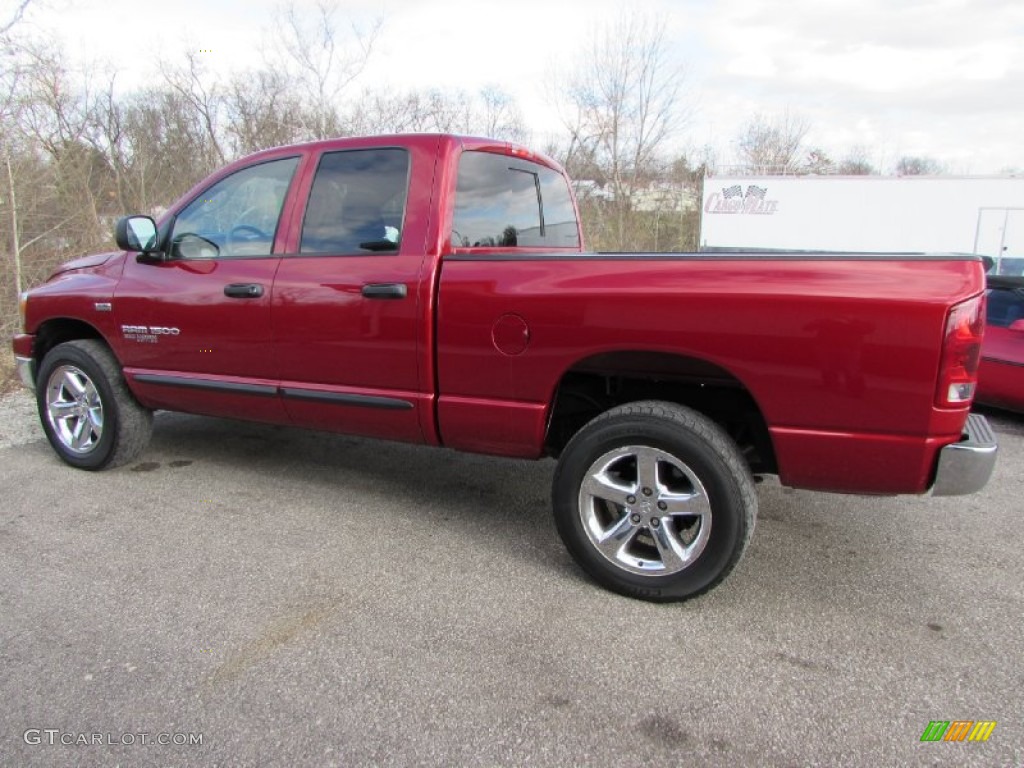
[[503, 201]]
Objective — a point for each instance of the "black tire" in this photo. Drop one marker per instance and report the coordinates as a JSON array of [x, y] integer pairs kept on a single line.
[[90, 417], [632, 546]]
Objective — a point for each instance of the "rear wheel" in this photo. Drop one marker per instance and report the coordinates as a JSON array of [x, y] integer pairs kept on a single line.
[[90, 417], [654, 501]]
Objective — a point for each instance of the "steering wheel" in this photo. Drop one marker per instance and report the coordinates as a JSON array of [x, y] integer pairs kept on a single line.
[[246, 232], [243, 234]]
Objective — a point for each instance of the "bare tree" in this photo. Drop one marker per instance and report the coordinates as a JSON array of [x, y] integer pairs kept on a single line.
[[856, 163], [263, 110], [10, 78], [918, 166], [52, 183], [14, 220], [321, 61], [200, 93], [620, 105], [499, 116], [772, 144], [154, 143], [13, 152], [490, 112], [14, 17], [55, 118]]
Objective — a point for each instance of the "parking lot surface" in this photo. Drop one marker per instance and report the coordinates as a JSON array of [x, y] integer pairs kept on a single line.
[[296, 598]]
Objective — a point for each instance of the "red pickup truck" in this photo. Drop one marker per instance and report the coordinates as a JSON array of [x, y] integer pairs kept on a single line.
[[435, 289]]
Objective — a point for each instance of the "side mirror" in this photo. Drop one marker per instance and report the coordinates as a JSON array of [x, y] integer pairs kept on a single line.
[[1017, 326], [136, 233]]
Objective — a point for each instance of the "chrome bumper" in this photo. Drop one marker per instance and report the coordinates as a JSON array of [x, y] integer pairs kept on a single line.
[[966, 466], [26, 368]]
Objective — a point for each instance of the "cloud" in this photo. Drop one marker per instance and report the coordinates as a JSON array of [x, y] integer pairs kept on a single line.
[[942, 76], [927, 74], [906, 25]]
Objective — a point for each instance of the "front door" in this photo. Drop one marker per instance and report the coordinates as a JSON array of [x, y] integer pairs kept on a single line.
[[195, 329]]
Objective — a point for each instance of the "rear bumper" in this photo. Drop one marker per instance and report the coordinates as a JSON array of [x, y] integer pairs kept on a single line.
[[966, 466]]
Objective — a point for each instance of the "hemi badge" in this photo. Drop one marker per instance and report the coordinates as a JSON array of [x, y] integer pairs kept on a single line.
[[103, 306]]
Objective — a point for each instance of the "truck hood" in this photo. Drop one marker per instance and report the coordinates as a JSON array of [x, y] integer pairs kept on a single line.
[[84, 262]]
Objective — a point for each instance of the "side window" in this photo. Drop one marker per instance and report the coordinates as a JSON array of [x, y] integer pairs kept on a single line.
[[357, 204], [236, 217], [1004, 307], [560, 227], [502, 201]]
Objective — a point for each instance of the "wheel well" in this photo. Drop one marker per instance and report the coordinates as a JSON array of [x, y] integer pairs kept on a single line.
[[54, 332], [597, 384]]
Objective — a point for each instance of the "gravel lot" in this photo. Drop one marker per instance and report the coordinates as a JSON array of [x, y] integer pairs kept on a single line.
[[307, 599]]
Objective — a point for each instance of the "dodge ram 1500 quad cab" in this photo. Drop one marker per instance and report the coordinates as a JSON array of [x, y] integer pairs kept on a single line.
[[435, 289]]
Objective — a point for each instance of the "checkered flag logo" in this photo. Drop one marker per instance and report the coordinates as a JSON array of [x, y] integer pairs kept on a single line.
[[755, 192], [734, 191]]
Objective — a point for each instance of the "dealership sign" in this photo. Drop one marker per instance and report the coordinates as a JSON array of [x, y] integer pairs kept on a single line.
[[734, 200]]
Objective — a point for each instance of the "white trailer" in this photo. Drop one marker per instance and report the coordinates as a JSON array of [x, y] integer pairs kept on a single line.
[[876, 214]]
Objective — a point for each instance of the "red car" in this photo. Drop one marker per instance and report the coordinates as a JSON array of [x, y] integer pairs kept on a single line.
[[1001, 376]]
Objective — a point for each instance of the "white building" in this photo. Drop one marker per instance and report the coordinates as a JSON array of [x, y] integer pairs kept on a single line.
[[909, 214]]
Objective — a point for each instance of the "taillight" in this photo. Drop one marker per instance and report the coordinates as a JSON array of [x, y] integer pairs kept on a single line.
[[961, 352]]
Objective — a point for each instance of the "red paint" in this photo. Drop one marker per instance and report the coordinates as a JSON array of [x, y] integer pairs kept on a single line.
[[510, 335], [825, 347], [842, 356], [1001, 376]]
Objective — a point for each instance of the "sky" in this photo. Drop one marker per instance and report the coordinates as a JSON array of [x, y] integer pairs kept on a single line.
[[888, 78]]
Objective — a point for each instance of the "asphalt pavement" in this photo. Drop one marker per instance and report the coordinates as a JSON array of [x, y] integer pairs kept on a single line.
[[301, 599]]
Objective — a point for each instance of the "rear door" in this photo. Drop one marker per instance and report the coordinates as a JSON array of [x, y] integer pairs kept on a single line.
[[351, 304], [195, 329]]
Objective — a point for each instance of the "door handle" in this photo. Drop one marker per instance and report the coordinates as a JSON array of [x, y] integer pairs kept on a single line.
[[243, 290], [385, 290]]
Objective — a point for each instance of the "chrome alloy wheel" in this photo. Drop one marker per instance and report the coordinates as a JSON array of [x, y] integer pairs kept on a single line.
[[645, 510], [74, 409]]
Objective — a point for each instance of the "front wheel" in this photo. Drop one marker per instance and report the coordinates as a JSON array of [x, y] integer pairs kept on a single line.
[[90, 417], [654, 501]]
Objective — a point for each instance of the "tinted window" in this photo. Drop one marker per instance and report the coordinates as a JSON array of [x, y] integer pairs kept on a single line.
[[1004, 306], [237, 216], [357, 204], [502, 201]]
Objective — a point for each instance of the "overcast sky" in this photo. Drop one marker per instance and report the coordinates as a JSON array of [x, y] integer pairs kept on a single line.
[[943, 78]]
